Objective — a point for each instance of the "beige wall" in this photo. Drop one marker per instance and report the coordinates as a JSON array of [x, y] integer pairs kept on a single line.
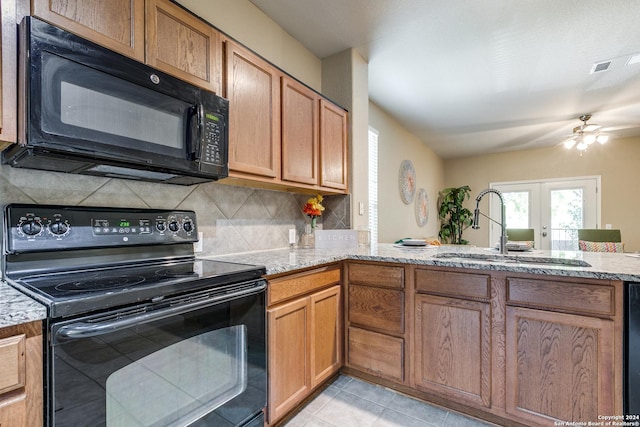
[[244, 22], [345, 81], [395, 144], [617, 163]]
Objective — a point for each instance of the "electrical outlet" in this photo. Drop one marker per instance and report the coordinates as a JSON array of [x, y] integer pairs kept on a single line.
[[607, 226], [199, 245], [360, 208]]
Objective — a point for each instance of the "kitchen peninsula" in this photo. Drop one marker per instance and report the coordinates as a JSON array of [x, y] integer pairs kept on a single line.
[[529, 339], [516, 343]]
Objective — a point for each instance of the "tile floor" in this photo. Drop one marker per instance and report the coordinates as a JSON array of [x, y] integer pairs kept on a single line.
[[350, 402]]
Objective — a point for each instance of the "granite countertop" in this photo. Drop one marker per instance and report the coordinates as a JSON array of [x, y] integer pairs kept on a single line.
[[609, 266], [17, 308]]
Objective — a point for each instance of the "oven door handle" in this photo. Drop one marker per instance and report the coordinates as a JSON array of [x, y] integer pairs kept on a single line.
[[88, 329]]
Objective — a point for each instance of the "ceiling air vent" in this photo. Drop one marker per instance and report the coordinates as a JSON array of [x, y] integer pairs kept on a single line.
[[599, 67], [634, 59]]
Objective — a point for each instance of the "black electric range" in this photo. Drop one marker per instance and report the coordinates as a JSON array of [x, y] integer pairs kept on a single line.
[[85, 259]]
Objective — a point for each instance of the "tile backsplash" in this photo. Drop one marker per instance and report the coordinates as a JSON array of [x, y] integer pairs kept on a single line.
[[233, 219]]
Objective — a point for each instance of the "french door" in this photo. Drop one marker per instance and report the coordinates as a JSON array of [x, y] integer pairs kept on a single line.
[[555, 209]]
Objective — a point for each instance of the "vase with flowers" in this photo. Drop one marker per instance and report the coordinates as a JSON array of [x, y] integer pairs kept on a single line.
[[313, 209]]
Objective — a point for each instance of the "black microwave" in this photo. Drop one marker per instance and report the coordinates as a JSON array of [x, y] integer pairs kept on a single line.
[[86, 109]]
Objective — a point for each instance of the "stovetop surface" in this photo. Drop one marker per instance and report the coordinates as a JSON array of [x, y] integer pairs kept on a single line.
[[69, 293]]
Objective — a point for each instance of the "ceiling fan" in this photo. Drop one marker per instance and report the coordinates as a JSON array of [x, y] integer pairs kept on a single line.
[[585, 135]]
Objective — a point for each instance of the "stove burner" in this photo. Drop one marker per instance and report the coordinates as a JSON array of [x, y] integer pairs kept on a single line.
[[98, 284]]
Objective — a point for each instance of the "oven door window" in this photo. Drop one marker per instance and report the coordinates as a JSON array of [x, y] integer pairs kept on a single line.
[[181, 383], [85, 104], [205, 367]]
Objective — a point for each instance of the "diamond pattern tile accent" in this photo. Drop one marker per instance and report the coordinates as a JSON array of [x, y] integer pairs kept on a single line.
[[233, 219]]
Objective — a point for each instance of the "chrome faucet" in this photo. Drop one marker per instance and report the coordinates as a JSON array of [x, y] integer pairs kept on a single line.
[[502, 223]]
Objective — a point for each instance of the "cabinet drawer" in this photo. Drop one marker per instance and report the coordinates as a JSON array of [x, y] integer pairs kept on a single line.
[[588, 298], [377, 308], [378, 354], [288, 287], [378, 275], [458, 285], [12, 361]]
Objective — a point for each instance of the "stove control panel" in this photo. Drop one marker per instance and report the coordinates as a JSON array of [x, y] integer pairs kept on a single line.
[[32, 228]]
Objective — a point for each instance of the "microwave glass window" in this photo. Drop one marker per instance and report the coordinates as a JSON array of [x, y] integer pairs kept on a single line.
[[89, 105], [98, 111]]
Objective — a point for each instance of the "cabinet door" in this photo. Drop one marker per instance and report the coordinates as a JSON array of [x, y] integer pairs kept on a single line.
[[115, 24], [182, 45], [299, 133], [559, 366], [289, 364], [21, 372], [453, 348], [333, 146], [14, 413], [253, 88], [8, 76], [326, 336]]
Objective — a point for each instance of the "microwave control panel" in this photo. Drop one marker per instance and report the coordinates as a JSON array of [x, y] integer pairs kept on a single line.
[[213, 139], [43, 228]]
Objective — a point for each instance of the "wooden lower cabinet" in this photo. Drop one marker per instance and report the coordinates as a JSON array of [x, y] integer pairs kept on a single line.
[[21, 401], [514, 349], [326, 337], [378, 354], [304, 336], [560, 367], [453, 348], [376, 333]]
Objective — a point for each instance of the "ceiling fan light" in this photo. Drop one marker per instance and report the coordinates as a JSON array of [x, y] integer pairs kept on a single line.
[[582, 146], [569, 143], [602, 139], [589, 139]]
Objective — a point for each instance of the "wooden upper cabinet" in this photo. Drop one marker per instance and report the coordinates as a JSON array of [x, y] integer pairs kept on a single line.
[[299, 133], [9, 69], [333, 146], [252, 86], [182, 45], [115, 24]]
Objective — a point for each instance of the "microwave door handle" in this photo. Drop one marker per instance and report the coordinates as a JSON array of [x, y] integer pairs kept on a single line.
[[198, 115], [87, 329]]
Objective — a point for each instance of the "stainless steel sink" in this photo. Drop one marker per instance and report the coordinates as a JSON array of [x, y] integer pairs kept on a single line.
[[513, 259]]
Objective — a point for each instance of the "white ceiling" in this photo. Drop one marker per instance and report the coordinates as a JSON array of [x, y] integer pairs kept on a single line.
[[471, 77]]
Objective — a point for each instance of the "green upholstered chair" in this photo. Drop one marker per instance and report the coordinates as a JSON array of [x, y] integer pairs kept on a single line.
[[521, 234], [597, 240]]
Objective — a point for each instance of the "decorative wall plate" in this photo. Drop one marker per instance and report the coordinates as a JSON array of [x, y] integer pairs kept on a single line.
[[407, 181], [422, 208]]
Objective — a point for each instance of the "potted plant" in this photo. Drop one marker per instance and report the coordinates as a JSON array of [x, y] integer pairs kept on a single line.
[[454, 218]]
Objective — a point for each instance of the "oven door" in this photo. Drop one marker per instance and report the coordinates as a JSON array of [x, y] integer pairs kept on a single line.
[[193, 361]]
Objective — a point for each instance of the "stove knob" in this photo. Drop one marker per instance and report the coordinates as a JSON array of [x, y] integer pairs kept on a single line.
[[31, 228], [188, 226], [59, 228], [161, 226], [174, 226]]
